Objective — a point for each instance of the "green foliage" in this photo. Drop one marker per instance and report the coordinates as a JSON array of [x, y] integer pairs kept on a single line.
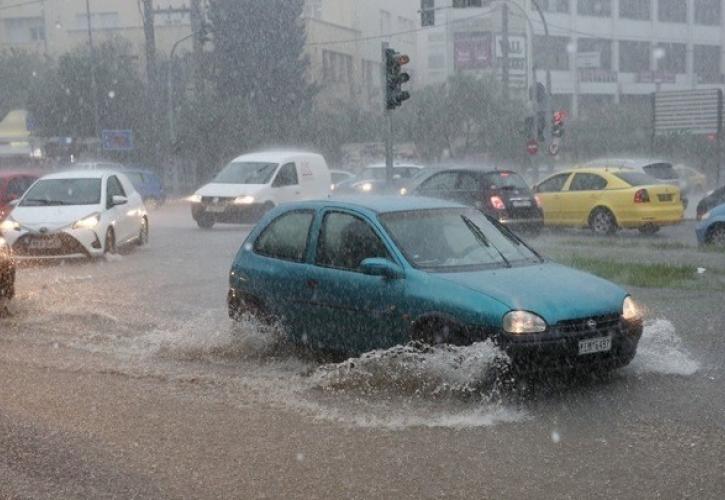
[[18, 71]]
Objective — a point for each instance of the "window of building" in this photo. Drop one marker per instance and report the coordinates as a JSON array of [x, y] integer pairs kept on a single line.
[[706, 63], [634, 57], [604, 47], [599, 8], [99, 21], [286, 237], [24, 29], [557, 6], [674, 59], [635, 9], [556, 57], [708, 12], [346, 240], [336, 67], [672, 11]]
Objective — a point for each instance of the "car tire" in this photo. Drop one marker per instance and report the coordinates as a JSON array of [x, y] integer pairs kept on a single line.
[[143, 235], [649, 229], [205, 221], [109, 246], [602, 221], [716, 235]]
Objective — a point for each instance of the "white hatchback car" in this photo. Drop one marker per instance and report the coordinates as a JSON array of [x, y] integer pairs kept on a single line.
[[76, 214]]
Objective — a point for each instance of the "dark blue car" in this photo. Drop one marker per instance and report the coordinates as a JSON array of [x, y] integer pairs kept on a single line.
[[372, 272], [148, 185]]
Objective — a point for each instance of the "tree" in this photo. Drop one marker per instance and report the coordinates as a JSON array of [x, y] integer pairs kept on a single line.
[[18, 70]]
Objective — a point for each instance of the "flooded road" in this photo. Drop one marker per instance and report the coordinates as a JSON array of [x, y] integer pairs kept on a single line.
[[125, 378]]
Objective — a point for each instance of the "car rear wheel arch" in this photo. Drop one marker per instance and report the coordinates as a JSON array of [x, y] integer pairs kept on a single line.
[[716, 234]]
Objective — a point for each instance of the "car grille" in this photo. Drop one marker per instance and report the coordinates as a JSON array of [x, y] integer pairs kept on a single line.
[[216, 200], [67, 245], [591, 325]]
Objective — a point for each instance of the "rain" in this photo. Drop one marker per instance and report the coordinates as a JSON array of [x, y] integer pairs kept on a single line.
[[347, 249]]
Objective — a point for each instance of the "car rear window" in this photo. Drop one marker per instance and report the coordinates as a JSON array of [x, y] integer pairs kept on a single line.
[[636, 178], [661, 171], [504, 180]]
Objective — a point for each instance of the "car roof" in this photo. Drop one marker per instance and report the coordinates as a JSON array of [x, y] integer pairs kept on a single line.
[[281, 156], [624, 162], [81, 174], [395, 165], [590, 170], [379, 204]]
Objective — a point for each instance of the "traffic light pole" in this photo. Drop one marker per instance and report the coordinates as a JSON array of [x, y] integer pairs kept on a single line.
[[389, 124]]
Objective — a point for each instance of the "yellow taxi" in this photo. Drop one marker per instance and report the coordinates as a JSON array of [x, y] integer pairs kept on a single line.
[[606, 199]]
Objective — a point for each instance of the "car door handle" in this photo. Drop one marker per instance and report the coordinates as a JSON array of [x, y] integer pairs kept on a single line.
[[312, 283]]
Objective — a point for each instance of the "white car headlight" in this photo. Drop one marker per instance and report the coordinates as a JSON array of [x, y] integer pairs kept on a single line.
[[367, 187], [87, 222], [403, 191], [9, 225], [705, 216], [244, 200], [194, 198], [631, 311], [519, 322]]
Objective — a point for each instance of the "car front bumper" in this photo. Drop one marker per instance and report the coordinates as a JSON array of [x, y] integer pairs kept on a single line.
[[229, 213], [63, 244], [558, 348]]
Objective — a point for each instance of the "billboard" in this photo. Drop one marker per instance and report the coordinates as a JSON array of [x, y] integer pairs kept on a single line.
[[473, 50]]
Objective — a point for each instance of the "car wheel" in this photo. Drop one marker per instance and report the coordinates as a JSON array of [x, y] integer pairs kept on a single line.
[[432, 332], [649, 229], [143, 235], [205, 221], [110, 244], [601, 221], [716, 235]]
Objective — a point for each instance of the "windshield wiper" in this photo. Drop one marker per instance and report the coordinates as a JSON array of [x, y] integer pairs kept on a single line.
[[508, 233], [483, 239], [37, 200]]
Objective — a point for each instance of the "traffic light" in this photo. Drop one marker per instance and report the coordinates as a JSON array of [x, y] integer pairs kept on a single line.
[[427, 13], [557, 124], [395, 78]]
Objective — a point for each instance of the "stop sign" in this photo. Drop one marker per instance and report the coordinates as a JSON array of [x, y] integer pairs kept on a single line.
[[532, 147]]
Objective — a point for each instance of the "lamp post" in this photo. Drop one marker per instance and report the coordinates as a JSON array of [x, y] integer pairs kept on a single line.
[[94, 89]]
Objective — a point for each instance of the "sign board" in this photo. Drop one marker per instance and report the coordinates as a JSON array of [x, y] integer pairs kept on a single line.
[[117, 140], [517, 46], [693, 111], [588, 60], [517, 59], [472, 50], [656, 77]]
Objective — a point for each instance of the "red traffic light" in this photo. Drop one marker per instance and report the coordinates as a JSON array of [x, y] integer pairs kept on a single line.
[[402, 59], [559, 117], [532, 147]]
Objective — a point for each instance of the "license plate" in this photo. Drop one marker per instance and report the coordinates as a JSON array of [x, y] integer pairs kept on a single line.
[[521, 203], [217, 209], [664, 197], [49, 244], [600, 344]]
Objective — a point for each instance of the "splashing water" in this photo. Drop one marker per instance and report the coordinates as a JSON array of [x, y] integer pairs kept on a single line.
[[660, 351]]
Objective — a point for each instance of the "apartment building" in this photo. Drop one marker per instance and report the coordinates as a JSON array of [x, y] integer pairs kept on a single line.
[[344, 40]]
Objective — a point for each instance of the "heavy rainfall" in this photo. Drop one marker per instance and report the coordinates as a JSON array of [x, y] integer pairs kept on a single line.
[[362, 249]]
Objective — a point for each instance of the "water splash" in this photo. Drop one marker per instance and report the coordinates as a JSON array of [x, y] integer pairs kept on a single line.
[[661, 351]]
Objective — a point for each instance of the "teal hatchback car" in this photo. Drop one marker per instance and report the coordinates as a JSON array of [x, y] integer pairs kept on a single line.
[[358, 274]]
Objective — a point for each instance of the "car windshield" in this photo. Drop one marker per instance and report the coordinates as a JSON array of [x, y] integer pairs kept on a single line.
[[661, 171], [243, 172], [54, 192], [454, 239], [636, 178], [505, 180]]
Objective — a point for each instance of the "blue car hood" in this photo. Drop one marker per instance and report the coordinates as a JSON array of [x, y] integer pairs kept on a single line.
[[552, 291]]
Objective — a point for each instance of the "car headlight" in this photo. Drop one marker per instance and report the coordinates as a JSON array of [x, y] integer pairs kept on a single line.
[[244, 200], [87, 222], [3, 243], [630, 310], [194, 198], [403, 191], [705, 216], [519, 322], [366, 187], [9, 225]]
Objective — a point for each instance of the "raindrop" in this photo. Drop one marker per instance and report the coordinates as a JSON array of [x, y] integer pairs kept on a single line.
[[112, 94], [555, 437]]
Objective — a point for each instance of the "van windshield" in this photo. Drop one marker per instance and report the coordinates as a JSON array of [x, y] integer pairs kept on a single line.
[[244, 172]]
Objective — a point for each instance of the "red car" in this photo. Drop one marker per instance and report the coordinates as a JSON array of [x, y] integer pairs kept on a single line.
[[13, 183]]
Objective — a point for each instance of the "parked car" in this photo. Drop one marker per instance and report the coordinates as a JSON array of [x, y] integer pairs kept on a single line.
[[148, 185], [13, 183], [7, 273], [339, 176], [253, 184], [373, 179], [84, 213], [606, 199], [372, 272], [713, 199], [695, 180], [711, 229], [503, 194], [661, 170]]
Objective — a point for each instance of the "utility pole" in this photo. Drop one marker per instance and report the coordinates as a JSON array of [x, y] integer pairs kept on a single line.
[[150, 36], [197, 27], [505, 49], [94, 88], [388, 121]]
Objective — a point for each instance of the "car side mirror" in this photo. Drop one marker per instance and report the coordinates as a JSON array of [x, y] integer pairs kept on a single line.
[[381, 267], [118, 200]]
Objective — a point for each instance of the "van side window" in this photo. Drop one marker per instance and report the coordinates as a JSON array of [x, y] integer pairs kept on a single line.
[[287, 176]]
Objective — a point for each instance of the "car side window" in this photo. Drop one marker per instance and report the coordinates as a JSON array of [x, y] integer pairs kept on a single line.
[[113, 188], [286, 237], [345, 241], [287, 176], [553, 185], [445, 181], [587, 182], [467, 182]]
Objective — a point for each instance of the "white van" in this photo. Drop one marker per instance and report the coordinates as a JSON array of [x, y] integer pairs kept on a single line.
[[251, 185]]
